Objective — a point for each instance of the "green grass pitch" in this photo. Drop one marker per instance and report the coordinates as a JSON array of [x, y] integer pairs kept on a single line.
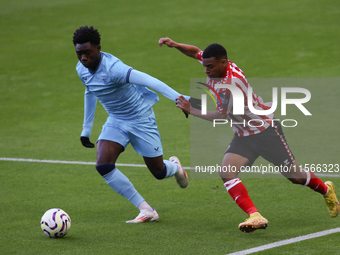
[[41, 114]]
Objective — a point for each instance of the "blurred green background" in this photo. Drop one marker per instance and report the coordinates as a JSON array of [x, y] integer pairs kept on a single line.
[[41, 115]]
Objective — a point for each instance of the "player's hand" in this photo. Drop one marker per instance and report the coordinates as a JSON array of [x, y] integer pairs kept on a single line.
[[86, 142], [166, 40], [183, 104]]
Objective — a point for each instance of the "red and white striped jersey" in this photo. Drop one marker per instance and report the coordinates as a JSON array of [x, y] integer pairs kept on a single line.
[[248, 123]]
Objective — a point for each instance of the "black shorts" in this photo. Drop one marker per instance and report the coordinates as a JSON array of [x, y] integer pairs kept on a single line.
[[269, 144]]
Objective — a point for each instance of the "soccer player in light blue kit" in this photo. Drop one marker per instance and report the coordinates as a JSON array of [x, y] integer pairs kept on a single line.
[[124, 95]]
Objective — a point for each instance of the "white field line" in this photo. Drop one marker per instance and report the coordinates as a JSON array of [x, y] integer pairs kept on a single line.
[[287, 241], [61, 162], [118, 164], [67, 162]]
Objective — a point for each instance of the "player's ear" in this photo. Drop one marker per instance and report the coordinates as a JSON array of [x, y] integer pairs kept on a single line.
[[99, 47], [224, 62]]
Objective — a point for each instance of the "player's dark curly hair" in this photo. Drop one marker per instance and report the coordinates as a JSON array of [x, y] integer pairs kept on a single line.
[[215, 50], [86, 34]]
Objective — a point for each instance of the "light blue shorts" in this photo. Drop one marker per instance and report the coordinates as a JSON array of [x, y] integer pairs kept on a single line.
[[142, 133]]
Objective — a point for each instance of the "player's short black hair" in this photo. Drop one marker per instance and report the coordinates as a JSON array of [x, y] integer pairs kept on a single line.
[[215, 50], [86, 34]]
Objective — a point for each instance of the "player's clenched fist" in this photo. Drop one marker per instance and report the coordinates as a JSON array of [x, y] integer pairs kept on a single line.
[[166, 40]]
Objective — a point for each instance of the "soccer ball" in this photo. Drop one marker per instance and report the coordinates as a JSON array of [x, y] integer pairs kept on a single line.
[[55, 223]]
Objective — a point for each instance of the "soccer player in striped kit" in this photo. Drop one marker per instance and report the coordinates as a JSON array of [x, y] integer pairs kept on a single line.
[[125, 96], [250, 141]]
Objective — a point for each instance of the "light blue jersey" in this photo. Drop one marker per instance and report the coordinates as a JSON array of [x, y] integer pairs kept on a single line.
[[110, 84], [124, 95]]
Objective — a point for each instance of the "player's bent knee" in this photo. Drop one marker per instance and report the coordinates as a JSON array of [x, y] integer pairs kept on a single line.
[[105, 169]]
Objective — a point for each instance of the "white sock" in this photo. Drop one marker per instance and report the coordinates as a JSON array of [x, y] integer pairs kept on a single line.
[[171, 168], [144, 206]]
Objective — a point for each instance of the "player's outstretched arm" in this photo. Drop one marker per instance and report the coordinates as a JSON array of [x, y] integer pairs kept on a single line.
[[143, 79], [186, 49], [184, 104]]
